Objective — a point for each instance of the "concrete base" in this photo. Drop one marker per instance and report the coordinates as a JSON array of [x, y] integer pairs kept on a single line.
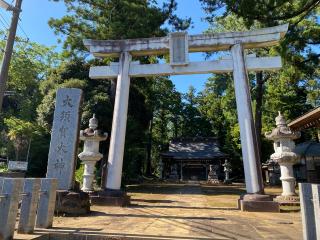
[[288, 200], [258, 203], [213, 181], [72, 203], [110, 197], [13, 174]]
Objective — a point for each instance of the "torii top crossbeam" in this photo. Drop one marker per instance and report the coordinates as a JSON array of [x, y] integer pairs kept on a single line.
[[264, 37]]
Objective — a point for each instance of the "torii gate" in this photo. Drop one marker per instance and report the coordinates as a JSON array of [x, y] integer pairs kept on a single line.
[[179, 44]]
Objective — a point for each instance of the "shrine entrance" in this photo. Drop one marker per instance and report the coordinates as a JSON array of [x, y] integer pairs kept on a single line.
[[178, 45]]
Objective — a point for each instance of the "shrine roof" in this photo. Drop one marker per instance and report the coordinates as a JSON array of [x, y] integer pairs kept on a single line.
[[307, 120], [194, 148]]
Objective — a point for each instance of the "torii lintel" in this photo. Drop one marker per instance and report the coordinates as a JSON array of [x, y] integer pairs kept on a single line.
[[264, 37]]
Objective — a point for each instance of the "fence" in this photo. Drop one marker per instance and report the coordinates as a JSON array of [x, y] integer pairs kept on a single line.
[[310, 210], [37, 198]]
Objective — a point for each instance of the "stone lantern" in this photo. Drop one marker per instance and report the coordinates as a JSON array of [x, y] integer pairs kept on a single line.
[[227, 169], [90, 155], [283, 137]]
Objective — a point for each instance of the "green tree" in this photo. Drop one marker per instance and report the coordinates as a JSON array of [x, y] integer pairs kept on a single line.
[[194, 123], [20, 133], [30, 65], [164, 104], [296, 84], [114, 19]]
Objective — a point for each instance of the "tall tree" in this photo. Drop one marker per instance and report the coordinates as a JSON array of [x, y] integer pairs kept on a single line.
[[165, 104], [299, 49], [117, 19], [114, 19], [194, 123], [30, 65]]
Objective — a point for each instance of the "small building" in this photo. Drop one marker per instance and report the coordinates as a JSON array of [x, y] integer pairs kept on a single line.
[[190, 159], [310, 119], [308, 168]]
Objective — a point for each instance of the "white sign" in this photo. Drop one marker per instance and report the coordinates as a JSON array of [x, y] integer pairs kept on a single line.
[[17, 166]]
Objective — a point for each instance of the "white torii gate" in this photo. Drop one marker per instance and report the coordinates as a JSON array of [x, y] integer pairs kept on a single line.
[[179, 45]]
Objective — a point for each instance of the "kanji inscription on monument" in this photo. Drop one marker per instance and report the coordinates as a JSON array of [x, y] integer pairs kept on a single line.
[[64, 137]]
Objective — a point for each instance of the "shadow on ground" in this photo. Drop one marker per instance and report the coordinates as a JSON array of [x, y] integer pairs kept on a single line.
[[187, 189]]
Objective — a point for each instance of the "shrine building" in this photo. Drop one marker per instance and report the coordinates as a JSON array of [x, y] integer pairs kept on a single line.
[[190, 159]]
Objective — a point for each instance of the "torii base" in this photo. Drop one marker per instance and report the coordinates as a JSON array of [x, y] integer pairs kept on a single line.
[[258, 203], [109, 197]]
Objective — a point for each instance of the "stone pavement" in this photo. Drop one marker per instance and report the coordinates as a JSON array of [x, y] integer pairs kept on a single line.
[[172, 211]]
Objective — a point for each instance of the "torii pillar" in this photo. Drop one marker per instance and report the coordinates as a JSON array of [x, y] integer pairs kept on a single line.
[[119, 124], [248, 136]]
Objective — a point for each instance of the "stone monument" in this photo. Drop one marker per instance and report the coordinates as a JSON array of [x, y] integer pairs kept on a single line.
[[283, 137], [64, 137], [90, 155], [227, 170], [62, 152], [213, 174]]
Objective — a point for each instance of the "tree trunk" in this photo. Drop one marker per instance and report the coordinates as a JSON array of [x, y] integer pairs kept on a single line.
[[113, 90], [149, 148], [258, 110]]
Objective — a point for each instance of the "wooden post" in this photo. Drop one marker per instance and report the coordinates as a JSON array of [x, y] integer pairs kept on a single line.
[[249, 145], [4, 69], [119, 123]]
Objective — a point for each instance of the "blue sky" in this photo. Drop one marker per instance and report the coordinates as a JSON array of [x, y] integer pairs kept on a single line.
[[36, 13]]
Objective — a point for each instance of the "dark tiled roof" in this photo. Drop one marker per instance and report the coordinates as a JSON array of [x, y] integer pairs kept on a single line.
[[308, 149], [197, 148]]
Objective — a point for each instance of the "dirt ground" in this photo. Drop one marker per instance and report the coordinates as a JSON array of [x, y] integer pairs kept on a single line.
[[183, 211]]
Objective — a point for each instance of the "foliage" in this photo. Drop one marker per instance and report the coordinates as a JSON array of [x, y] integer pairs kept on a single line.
[[292, 90], [79, 174], [157, 112], [3, 169], [98, 19], [114, 19], [20, 134], [194, 124], [24, 134], [18, 129], [29, 66]]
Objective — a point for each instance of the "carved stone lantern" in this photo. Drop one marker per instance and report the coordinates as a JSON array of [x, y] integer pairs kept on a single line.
[[283, 137], [90, 155], [213, 174]]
